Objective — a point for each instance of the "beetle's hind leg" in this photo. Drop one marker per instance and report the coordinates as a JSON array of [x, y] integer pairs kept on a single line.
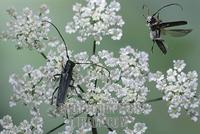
[[53, 95], [155, 41]]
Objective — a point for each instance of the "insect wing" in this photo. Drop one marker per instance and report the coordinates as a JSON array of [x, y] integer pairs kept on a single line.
[[176, 32], [161, 46], [172, 24]]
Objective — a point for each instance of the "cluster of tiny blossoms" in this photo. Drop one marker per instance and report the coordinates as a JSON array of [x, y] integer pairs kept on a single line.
[[104, 84], [28, 29], [179, 89], [118, 90], [121, 89], [35, 126], [96, 19]]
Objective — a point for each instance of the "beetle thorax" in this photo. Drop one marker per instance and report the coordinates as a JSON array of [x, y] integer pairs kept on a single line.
[[151, 20], [69, 66]]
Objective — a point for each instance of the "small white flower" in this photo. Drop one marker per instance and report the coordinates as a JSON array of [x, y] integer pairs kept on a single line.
[[6, 122], [139, 128], [179, 65], [44, 10]]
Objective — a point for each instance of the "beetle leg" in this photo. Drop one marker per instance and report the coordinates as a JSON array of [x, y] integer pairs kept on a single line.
[[72, 82], [55, 76], [53, 95], [154, 40], [80, 88], [78, 94], [71, 86], [160, 39]]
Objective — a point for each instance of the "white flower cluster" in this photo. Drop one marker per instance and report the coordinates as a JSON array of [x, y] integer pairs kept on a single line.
[[129, 73], [33, 88], [28, 29], [123, 92], [96, 19], [179, 89], [35, 126], [123, 87]]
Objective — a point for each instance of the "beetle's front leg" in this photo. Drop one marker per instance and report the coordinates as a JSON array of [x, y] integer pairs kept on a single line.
[[72, 85], [55, 76]]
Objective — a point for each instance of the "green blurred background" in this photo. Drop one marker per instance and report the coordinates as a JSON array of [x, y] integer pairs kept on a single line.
[[135, 33]]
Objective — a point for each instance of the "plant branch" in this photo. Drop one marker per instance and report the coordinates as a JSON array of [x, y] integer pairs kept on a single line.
[[44, 56], [62, 124], [94, 47], [92, 120], [154, 100], [93, 124]]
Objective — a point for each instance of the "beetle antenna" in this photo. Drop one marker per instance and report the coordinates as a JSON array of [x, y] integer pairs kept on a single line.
[[173, 4], [67, 55]]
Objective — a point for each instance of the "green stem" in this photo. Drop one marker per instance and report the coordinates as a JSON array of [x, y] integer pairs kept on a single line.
[[62, 124], [92, 121], [93, 124], [44, 56], [154, 100], [94, 47]]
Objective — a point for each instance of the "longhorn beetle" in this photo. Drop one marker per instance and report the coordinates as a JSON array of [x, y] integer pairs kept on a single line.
[[66, 78], [157, 27]]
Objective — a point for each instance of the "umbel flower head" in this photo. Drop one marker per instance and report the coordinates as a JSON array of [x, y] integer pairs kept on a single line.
[[179, 89], [124, 91], [28, 29], [96, 19]]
